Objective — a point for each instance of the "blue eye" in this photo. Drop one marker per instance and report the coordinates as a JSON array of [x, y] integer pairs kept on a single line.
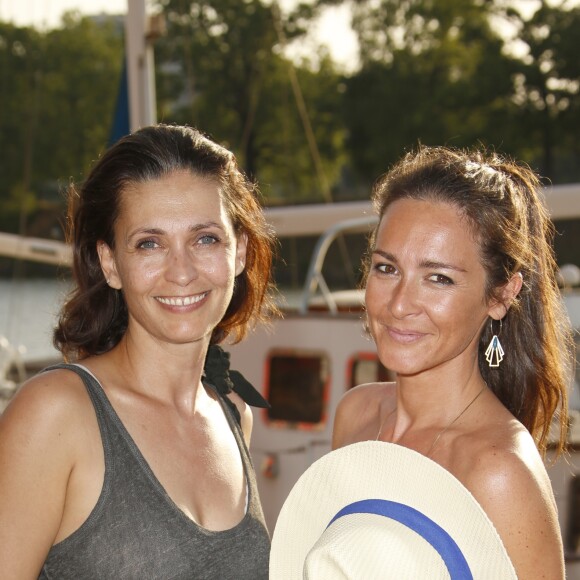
[[208, 239], [147, 244]]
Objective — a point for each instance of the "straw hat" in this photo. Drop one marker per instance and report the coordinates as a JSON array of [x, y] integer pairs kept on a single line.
[[378, 510]]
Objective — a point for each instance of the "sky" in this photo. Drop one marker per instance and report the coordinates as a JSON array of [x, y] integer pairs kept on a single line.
[[47, 13], [333, 29]]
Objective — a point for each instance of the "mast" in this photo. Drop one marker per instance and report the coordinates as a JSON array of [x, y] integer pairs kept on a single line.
[[140, 33]]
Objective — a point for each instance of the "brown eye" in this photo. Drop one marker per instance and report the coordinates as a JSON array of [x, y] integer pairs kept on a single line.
[[385, 268], [441, 279]]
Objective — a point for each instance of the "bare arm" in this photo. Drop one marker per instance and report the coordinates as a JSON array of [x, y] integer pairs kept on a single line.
[[514, 490], [35, 465]]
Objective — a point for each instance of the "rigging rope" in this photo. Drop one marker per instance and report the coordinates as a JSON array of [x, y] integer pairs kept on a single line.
[[277, 17], [313, 146]]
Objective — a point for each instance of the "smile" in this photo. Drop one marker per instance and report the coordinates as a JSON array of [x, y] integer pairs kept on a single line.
[[404, 336], [181, 300]]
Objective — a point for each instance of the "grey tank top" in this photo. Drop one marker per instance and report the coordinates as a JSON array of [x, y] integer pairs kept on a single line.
[[135, 531]]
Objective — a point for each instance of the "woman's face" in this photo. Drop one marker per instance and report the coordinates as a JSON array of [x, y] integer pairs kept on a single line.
[[175, 259], [425, 290]]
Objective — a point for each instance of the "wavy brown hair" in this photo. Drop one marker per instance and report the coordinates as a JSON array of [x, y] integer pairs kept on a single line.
[[502, 203], [94, 318]]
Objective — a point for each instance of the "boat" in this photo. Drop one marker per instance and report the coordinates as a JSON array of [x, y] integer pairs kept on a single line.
[[306, 360]]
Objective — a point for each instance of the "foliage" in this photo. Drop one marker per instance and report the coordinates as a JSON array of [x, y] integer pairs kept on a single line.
[[83, 66], [546, 89], [20, 63], [224, 59], [57, 93], [445, 72], [432, 71]]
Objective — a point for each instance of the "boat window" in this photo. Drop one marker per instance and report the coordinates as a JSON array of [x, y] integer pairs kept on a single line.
[[367, 368], [342, 266], [297, 383], [573, 536]]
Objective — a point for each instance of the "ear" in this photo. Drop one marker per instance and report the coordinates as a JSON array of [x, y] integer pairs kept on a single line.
[[108, 265], [507, 294], [241, 246]]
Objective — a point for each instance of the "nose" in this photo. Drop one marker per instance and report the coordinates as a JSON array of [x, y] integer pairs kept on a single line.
[[404, 300], [181, 268]]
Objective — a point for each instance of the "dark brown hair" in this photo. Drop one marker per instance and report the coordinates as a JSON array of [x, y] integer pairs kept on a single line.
[[502, 203], [95, 317]]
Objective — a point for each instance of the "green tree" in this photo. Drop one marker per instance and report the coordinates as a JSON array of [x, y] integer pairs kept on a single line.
[[83, 61], [20, 97], [221, 67], [57, 95], [432, 72], [546, 89]]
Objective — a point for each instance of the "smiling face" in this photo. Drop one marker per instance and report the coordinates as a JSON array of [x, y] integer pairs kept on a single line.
[[425, 289], [175, 258]]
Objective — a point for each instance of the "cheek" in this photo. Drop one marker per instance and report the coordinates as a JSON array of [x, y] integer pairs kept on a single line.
[[143, 273], [149, 275], [373, 307], [219, 265], [445, 307], [458, 317], [452, 317], [211, 268], [215, 267], [139, 273]]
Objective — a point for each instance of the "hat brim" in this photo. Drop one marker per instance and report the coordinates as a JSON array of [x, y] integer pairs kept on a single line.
[[402, 486]]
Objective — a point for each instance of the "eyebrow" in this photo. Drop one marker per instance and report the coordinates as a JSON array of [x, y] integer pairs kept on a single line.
[[429, 264], [159, 232]]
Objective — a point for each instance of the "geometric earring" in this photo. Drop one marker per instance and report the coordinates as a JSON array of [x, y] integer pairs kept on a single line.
[[494, 353]]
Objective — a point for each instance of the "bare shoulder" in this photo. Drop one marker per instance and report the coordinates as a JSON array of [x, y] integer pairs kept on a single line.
[[508, 463], [40, 442], [44, 417], [361, 395], [357, 413], [509, 480], [45, 401]]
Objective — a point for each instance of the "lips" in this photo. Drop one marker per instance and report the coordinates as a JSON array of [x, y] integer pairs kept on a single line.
[[181, 300], [404, 336]]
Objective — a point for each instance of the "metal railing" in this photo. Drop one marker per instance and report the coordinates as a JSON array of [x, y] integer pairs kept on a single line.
[[314, 278]]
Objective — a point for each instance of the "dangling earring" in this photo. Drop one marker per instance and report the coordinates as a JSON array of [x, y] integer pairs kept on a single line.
[[494, 353]]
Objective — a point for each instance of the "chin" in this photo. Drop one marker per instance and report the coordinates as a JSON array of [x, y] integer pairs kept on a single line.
[[401, 367]]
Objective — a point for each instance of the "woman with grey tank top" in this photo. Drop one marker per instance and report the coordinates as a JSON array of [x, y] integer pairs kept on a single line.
[[131, 460]]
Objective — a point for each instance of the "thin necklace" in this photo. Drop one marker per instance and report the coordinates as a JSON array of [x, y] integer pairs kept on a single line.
[[438, 436], [383, 423]]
